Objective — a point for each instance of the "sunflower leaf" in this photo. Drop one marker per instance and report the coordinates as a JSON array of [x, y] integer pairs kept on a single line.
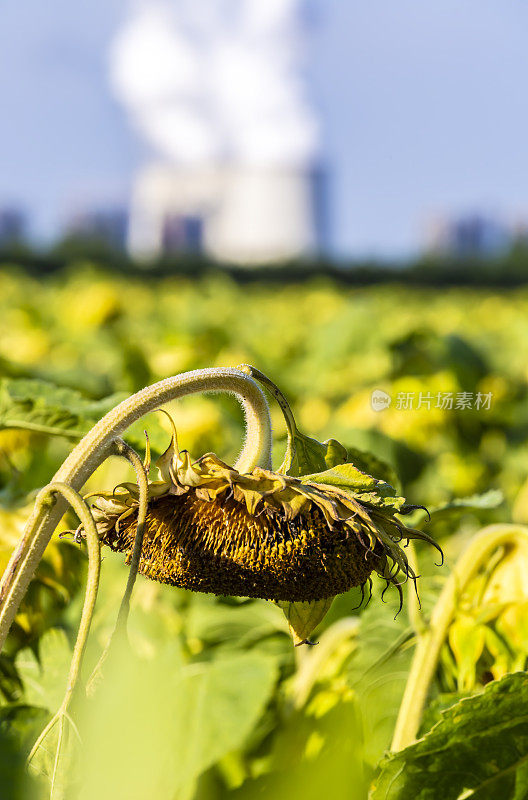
[[363, 487], [490, 499], [43, 407], [44, 679], [305, 454], [349, 477], [19, 726], [372, 465], [479, 748], [194, 714]]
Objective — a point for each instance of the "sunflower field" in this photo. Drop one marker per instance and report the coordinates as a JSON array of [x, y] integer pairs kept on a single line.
[[206, 697]]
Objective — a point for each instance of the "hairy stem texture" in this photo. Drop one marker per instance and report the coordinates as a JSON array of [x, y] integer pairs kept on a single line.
[[97, 445]]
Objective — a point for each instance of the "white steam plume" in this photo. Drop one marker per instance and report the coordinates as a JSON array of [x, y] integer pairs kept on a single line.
[[217, 79]]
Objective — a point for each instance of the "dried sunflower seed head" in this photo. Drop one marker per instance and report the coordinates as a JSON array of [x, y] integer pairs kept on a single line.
[[296, 539], [210, 528]]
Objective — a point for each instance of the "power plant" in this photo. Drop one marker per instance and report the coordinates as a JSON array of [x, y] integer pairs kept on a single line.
[[218, 91]]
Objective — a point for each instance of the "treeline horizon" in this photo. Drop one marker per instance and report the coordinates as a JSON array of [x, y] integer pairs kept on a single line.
[[507, 270]]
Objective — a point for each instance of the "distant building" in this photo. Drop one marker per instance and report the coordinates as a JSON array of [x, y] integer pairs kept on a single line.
[[13, 226], [169, 209], [241, 214], [520, 232], [182, 234], [467, 236], [107, 226]]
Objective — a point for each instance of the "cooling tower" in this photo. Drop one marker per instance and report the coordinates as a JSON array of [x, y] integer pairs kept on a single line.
[[266, 214], [163, 192]]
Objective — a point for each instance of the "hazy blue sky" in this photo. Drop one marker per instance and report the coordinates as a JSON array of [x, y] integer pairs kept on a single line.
[[423, 108]]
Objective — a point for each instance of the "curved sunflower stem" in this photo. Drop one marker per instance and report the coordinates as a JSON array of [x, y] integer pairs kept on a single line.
[[93, 449], [431, 640], [130, 454], [285, 407], [82, 510]]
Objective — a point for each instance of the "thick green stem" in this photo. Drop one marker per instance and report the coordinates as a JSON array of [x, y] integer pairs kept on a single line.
[[96, 446], [430, 641]]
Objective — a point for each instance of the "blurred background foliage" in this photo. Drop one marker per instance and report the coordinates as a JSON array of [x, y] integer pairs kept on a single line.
[[215, 702]]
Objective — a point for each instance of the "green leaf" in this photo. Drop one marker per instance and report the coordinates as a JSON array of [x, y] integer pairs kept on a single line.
[[222, 701], [378, 669], [349, 477], [305, 454], [55, 757], [44, 679], [19, 727], [372, 465], [364, 487], [216, 623], [458, 505], [43, 407], [478, 749], [315, 753], [154, 727], [476, 502], [46, 408], [44, 682]]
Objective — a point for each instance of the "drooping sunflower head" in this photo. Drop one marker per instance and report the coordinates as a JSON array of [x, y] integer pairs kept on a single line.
[[293, 539]]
